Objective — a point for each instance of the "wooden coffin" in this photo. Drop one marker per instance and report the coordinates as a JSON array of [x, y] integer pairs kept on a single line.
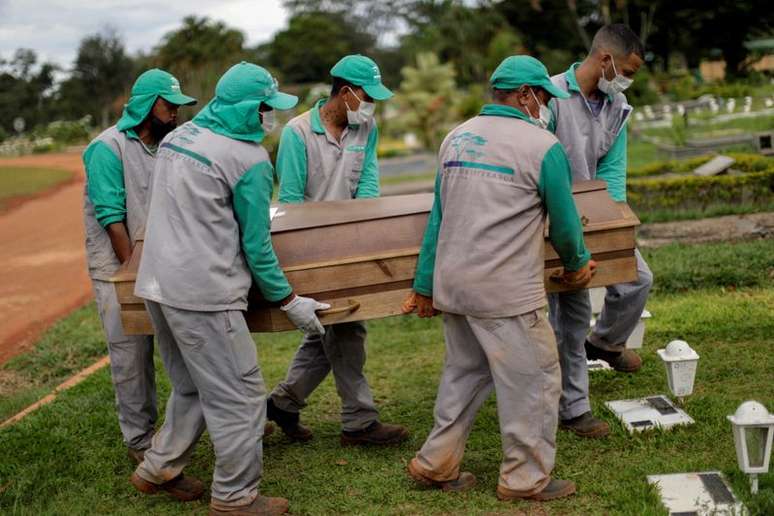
[[360, 256]]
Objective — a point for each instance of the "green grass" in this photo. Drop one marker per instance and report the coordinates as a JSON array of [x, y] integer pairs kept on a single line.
[[23, 181], [67, 456], [726, 266]]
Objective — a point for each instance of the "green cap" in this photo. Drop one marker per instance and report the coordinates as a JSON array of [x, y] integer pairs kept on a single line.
[[364, 72], [249, 82], [149, 86], [515, 71], [233, 112]]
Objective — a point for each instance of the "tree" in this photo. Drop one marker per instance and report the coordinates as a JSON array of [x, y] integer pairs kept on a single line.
[[102, 72], [312, 43], [460, 34], [427, 95], [25, 90]]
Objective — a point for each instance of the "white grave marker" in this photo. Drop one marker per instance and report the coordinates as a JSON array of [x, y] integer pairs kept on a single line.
[[697, 493]]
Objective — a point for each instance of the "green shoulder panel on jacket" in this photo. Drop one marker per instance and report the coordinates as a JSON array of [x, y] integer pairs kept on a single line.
[[369, 177], [291, 166], [105, 178], [252, 197], [423, 281], [612, 167], [565, 230]]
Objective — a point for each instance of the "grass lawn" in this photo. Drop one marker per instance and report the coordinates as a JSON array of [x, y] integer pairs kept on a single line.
[[24, 181], [67, 457]]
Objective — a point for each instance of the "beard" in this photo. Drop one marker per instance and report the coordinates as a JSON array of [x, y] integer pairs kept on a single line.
[[160, 129]]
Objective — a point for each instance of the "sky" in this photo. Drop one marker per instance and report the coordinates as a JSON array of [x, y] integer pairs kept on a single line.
[[54, 28]]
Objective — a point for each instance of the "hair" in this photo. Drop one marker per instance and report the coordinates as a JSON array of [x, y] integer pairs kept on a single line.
[[338, 84], [618, 38], [500, 95]]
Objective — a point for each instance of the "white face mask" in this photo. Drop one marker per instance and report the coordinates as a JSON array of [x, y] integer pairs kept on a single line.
[[364, 113], [617, 85], [268, 121], [544, 114]]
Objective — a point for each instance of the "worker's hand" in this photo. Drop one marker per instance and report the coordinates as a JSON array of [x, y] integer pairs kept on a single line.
[[420, 304], [301, 312], [581, 277]]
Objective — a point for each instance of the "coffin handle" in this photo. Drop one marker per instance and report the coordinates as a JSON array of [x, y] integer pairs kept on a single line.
[[352, 306]]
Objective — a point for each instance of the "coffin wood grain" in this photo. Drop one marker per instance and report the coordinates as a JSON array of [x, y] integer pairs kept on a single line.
[[364, 253]]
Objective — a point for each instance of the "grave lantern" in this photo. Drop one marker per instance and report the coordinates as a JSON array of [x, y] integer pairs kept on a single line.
[[680, 362], [753, 431]]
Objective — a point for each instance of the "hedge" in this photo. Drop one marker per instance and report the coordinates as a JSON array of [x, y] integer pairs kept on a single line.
[[745, 162], [685, 196]]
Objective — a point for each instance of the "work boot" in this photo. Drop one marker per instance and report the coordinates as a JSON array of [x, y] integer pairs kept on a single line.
[[465, 481], [375, 433], [135, 455], [626, 361], [586, 425], [263, 505], [181, 487], [289, 422], [553, 490]]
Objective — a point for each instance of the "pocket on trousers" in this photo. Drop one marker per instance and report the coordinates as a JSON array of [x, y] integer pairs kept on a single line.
[[542, 338], [244, 353]]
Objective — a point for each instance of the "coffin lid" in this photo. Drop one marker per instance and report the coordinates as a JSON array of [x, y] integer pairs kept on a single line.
[[291, 217]]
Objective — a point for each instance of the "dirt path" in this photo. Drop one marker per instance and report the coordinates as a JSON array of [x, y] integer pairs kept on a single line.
[[716, 229], [42, 258]]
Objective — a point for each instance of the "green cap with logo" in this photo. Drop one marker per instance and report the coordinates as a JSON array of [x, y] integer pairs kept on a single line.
[[149, 86], [364, 72], [233, 112], [516, 71]]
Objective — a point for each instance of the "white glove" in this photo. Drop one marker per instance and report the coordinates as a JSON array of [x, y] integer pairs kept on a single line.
[[301, 312]]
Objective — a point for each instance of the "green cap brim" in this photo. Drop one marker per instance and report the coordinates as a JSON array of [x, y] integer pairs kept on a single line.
[[179, 99], [282, 101], [377, 91], [557, 92]]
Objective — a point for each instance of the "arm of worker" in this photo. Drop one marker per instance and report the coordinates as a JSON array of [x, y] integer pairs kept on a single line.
[[612, 167], [565, 230], [105, 178], [369, 178], [251, 198], [291, 166], [421, 299]]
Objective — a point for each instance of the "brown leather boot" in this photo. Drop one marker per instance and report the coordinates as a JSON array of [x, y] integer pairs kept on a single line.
[[553, 490], [465, 481], [181, 487], [626, 361], [262, 505], [586, 425], [376, 433], [289, 422]]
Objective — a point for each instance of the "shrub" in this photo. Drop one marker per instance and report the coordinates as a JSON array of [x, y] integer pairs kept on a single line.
[[689, 196]]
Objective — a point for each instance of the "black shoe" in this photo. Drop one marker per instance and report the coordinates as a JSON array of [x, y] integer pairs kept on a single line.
[[289, 422]]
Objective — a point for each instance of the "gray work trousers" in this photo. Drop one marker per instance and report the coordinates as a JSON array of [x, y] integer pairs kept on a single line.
[[570, 318], [517, 357], [131, 369], [216, 384], [622, 310], [341, 350]]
